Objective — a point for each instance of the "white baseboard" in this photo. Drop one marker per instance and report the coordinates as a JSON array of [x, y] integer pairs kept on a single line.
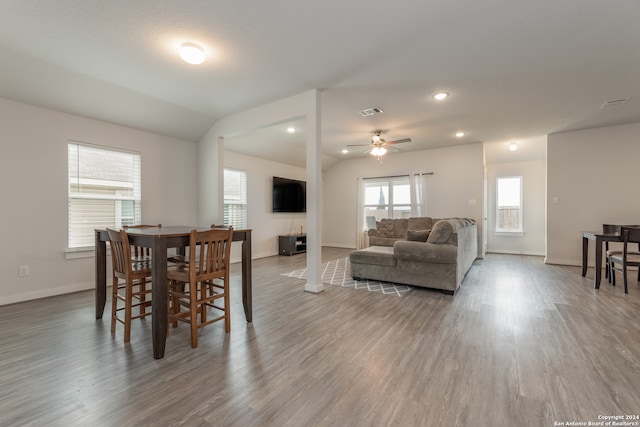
[[532, 253], [44, 293], [569, 262], [338, 245]]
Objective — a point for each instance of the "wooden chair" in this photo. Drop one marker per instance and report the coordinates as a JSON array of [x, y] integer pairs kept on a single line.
[[134, 288], [184, 259], [609, 229], [202, 284], [627, 258], [139, 253]]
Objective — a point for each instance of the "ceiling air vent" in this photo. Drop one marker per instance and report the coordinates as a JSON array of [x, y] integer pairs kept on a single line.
[[371, 111], [614, 103]]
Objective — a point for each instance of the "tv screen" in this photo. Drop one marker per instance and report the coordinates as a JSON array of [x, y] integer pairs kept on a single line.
[[289, 195]]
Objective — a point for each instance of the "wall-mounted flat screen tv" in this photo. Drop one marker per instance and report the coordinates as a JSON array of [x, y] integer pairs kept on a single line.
[[289, 195]]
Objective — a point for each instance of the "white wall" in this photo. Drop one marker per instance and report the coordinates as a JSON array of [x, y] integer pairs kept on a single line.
[[532, 242], [458, 179], [593, 174], [33, 167], [265, 225]]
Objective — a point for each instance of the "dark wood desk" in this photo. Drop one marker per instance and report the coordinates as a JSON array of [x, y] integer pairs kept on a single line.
[[599, 237], [159, 239]]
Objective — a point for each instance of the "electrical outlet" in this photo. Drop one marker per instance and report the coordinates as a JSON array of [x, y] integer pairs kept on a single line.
[[23, 271]]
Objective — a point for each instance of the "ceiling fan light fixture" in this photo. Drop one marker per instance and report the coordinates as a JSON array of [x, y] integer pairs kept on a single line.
[[191, 53], [378, 151]]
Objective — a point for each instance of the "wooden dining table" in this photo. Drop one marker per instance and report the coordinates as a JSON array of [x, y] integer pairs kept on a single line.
[[599, 237], [159, 239]]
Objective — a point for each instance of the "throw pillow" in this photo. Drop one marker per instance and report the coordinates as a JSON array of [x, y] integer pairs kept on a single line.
[[385, 228], [440, 232], [418, 235]]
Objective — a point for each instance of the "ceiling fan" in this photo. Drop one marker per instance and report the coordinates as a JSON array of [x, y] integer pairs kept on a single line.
[[378, 146]]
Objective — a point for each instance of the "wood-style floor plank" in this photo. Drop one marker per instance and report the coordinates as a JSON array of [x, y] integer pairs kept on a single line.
[[521, 344]]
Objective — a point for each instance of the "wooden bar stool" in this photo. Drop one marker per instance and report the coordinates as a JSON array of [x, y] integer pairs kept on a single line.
[[627, 258], [202, 284], [133, 292], [140, 254]]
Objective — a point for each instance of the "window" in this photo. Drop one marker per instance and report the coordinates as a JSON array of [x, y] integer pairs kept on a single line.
[[104, 191], [509, 204], [386, 197], [235, 198]]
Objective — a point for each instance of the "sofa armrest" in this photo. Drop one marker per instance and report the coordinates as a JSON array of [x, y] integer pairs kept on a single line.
[[439, 253]]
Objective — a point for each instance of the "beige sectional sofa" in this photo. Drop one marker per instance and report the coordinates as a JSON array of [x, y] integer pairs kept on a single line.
[[389, 231], [440, 262]]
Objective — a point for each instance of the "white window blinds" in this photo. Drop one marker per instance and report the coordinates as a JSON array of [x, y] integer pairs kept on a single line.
[[235, 198], [104, 191]]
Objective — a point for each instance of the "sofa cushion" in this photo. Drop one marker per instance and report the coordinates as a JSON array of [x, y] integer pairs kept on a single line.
[[385, 228], [419, 223], [440, 233], [418, 235], [400, 227], [377, 255]]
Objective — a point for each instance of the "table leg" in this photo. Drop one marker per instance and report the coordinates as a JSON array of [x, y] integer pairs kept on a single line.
[[101, 275], [585, 253], [246, 278], [598, 267], [159, 296]]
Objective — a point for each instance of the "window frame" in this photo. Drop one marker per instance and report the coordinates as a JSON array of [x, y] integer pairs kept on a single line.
[[243, 200], [509, 231], [104, 192], [391, 207]]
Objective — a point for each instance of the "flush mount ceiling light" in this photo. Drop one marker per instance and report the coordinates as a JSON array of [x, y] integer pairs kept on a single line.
[[513, 146], [440, 96], [459, 134], [192, 53]]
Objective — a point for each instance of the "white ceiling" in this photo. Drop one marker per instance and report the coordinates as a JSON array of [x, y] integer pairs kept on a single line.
[[515, 69]]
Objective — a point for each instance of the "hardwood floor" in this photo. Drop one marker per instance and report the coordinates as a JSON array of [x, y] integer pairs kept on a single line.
[[521, 344]]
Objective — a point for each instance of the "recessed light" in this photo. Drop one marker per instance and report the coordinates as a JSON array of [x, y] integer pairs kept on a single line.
[[459, 134], [345, 151], [291, 129], [440, 96], [192, 53], [513, 146]]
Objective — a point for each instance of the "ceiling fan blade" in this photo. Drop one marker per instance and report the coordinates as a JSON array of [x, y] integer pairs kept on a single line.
[[399, 141], [358, 145], [394, 148]]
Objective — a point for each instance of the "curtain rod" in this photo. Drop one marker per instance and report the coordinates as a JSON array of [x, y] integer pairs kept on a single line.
[[397, 176]]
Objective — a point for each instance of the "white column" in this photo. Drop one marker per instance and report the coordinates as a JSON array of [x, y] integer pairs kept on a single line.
[[314, 196], [219, 216]]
